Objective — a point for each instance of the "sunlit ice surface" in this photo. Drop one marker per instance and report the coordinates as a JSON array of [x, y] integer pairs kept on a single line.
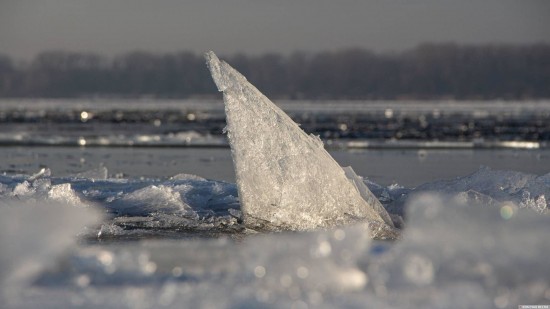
[[284, 176]]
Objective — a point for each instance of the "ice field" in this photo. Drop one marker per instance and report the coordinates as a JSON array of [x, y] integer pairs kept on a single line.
[[294, 230], [480, 242]]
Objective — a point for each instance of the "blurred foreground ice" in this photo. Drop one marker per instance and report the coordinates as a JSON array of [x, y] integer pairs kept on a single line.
[[479, 242], [32, 235]]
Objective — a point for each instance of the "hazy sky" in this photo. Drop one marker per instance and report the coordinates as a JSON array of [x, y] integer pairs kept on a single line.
[[256, 26]]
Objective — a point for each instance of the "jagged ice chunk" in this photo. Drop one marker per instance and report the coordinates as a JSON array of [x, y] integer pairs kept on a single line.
[[285, 177]]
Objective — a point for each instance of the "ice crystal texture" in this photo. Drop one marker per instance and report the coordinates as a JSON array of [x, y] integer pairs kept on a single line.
[[285, 177]]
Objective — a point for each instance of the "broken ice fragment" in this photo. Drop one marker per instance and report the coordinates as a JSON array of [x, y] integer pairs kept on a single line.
[[285, 177]]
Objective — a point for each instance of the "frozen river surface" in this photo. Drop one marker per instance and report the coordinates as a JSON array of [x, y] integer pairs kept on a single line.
[[161, 227], [156, 238]]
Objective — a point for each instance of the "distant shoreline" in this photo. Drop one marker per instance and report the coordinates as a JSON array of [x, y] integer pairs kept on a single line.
[[427, 72]]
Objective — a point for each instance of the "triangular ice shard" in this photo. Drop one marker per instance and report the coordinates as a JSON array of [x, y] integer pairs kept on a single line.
[[285, 177]]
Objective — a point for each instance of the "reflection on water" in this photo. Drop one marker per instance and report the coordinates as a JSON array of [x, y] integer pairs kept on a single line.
[[408, 167], [354, 124]]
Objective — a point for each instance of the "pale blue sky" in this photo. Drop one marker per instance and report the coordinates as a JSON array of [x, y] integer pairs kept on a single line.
[[256, 26]]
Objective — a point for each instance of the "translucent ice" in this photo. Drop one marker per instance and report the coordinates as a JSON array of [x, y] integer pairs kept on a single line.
[[154, 199], [63, 193], [100, 173], [285, 177]]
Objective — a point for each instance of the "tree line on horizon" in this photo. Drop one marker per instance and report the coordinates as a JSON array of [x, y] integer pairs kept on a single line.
[[430, 71]]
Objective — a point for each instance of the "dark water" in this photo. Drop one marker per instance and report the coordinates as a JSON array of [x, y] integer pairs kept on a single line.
[[353, 124], [407, 167]]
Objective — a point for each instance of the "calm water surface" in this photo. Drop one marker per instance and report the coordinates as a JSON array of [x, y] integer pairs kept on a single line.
[[409, 167]]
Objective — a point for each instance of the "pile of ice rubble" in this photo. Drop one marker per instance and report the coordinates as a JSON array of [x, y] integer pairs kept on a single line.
[[491, 253], [183, 203], [188, 204]]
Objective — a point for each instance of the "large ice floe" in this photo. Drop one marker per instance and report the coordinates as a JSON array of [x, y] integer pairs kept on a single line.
[[285, 177]]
